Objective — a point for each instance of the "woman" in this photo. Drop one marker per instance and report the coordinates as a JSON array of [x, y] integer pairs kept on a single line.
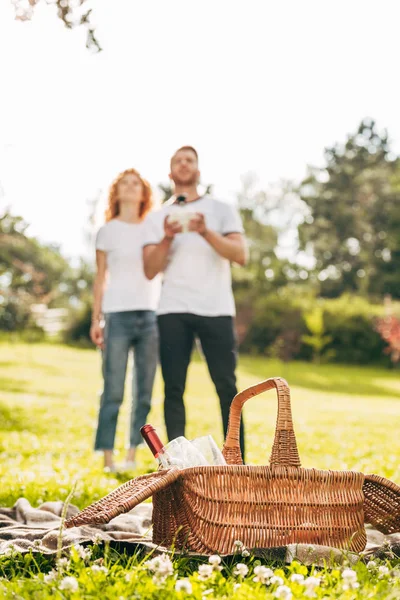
[[127, 300]]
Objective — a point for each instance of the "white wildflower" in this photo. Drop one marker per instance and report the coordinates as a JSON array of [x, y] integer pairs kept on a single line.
[[236, 587], [36, 543], [311, 583], [283, 591], [83, 553], [383, 571], [215, 561], [183, 585], [97, 539], [371, 565], [205, 572], [238, 546], [297, 578], [161, 566], [350, 585], [50, 576], [69, 583], [241, 570], [276, 580], [62, 563], [262, 574], [350, 580], [159, 579], [245, 553], [99, 569], [349, 574]]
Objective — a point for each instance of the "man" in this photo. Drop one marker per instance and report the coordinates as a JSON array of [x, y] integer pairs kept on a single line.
[[196, 297]]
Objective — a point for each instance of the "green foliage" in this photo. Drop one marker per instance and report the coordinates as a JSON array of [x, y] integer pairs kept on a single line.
[[26, 265], [276, 318], [342, 329], [353, 226], [78, 329], [35, 273], [350, 322], [14, 316], [317, 340]]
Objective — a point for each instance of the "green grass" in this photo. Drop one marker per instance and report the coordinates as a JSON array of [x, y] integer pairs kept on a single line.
[[345, 418]]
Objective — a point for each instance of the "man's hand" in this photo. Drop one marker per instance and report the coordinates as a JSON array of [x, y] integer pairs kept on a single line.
[[97, 335], [198, 224], [171, 228]]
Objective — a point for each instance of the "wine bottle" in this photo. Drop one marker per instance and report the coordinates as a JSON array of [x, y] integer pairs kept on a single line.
[[177, 453], [156, 446]]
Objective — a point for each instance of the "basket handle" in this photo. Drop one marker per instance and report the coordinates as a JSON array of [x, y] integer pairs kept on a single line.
[[284, 449]]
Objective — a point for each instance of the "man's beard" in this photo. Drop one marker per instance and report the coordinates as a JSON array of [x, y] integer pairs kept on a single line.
[[185, 182]]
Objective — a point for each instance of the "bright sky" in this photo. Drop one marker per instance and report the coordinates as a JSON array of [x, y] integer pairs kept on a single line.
[[254, 85]]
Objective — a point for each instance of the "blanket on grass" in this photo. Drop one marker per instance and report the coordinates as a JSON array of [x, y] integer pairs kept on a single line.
[[24, 528]]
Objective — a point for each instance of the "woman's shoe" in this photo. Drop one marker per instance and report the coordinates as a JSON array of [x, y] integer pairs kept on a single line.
[[112, 469]]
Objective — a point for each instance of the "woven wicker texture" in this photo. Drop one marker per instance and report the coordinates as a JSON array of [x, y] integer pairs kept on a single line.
[[124, 498], [382, 503], [206, 509]]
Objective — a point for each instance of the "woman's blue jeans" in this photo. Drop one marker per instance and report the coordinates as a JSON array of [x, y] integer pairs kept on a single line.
[[126, 330]]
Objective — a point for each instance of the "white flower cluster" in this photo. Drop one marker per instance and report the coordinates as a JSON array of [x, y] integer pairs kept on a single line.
[[349, 580], [205, 571], [69, 584], [284, 592], [99, 569], [183, 585], [262, 574], [239, 547], [383, 571], [241, 570], [83, 553], [97, 539], [311, 584], [62, 564], [51, 576], [161, 567], [266, 576]]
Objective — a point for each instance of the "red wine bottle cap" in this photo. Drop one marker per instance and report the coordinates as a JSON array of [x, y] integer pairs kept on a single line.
[[151, 438]]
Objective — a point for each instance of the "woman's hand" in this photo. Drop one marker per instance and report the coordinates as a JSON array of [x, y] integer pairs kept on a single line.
[[97, 335]]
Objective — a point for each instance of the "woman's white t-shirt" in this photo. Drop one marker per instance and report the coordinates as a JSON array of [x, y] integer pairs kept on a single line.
[[127, 287]]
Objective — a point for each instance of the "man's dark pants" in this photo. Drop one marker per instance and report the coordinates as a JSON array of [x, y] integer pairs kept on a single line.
[[217, 338]]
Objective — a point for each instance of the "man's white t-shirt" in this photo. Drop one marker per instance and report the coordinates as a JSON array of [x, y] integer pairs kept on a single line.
[[127, 287], [197, 279]]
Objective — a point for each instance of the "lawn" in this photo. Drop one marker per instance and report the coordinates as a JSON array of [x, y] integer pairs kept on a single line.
[[345, 418]]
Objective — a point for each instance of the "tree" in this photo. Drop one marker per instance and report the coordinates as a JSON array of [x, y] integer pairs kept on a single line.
[[353, 227], [35, 273], [266, 215], [26, 265], [71, 12]]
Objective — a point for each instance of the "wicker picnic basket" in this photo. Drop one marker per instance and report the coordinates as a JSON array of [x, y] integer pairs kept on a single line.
[[206, 509]]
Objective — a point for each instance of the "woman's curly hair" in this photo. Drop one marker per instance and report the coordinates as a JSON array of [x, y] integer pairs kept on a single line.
[[113, 203]]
